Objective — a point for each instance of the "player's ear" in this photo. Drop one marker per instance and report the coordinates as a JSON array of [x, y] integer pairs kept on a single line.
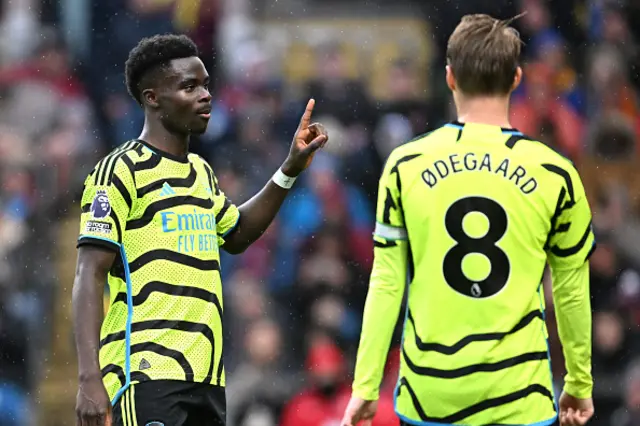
[[451, 80], [150, 98], [517, 79]]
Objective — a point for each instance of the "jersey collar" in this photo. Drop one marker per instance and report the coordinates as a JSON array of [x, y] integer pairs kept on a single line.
[[161, 153], [456, 123]]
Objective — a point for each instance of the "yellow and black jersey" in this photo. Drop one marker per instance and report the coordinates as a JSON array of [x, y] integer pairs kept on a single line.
[[471, 214], [166, 218]]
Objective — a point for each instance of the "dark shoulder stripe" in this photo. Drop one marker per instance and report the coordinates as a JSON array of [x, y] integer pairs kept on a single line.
[[132, 169], [175, 257], [112, 167], [122, 189], [560, 207], [487, 367], [102, 164], [166, 203], [459, 134], [421, 136], [107, 165], [150, 163], [475, 408], [389, 204], [223, 211], [515, 138], [139, 149], [480, 337], [213, 182], [186, 326], [185, 182], [167, 352], [404, 159], [396, 168], [565, 175]]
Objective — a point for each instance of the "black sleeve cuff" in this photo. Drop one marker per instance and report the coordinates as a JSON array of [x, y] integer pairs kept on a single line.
[[110, 245]]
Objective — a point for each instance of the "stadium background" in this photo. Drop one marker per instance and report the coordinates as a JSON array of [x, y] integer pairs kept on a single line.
[[294, 299]]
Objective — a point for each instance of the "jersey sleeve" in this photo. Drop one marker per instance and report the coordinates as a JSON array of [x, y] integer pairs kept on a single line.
[[106, 203], [386, 286], [389, 217], [571, 240], [572, 301], [227, 213]]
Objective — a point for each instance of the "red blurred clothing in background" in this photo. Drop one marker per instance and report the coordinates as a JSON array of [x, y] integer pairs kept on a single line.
[[324, 402], [542, 107]]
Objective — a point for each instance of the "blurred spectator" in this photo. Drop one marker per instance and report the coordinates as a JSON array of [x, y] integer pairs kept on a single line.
[[260, 386], [340, 93], [629, 413], [14, 402], [612, 137], [550, 49], [322, 199], [609, 88], [330, 289], [326, 397], [541, 111], [611, 343]]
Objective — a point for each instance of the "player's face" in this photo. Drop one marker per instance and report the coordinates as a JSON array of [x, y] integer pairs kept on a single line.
[[184, 98]]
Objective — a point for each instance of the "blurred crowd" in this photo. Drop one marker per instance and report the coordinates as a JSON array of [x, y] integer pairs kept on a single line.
[[294, 300]]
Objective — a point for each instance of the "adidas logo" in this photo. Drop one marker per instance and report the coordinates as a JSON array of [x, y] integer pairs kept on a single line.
[[167, 190], [144, 365]]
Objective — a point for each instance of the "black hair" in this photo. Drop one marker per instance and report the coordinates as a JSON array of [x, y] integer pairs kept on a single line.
[[152, 53]]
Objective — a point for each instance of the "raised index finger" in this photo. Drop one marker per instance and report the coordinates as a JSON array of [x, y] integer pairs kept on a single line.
[[306, 117]]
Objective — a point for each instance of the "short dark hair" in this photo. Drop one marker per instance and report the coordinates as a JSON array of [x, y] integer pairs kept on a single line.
[[483, 53], [152, 53]]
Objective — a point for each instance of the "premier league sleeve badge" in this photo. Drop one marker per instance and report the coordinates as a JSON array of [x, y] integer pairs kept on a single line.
[[100, 207]]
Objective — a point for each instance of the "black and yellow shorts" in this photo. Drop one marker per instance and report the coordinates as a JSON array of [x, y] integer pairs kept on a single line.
[[171, 403]]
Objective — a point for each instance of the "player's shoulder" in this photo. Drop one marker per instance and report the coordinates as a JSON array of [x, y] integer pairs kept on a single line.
[[539, 153], [198, 159], [537, 149], [422, 144], [203, 165], [121, 159]]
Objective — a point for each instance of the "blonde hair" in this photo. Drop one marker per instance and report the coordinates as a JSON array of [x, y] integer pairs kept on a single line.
[[483, 53]]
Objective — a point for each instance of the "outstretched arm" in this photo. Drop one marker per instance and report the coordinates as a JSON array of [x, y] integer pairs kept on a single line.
[[257, 214]]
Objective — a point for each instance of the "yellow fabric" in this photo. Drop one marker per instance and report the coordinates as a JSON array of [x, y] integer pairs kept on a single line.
[[573, 315], [483, 210], [166, 218]]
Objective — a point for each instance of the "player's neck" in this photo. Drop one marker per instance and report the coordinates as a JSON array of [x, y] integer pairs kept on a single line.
[[485, 110], [156, 134]]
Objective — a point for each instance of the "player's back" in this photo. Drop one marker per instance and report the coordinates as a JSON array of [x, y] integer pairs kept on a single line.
[[480, 205]]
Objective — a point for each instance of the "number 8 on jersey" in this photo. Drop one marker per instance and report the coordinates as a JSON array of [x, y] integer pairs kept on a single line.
[[486, 245]]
